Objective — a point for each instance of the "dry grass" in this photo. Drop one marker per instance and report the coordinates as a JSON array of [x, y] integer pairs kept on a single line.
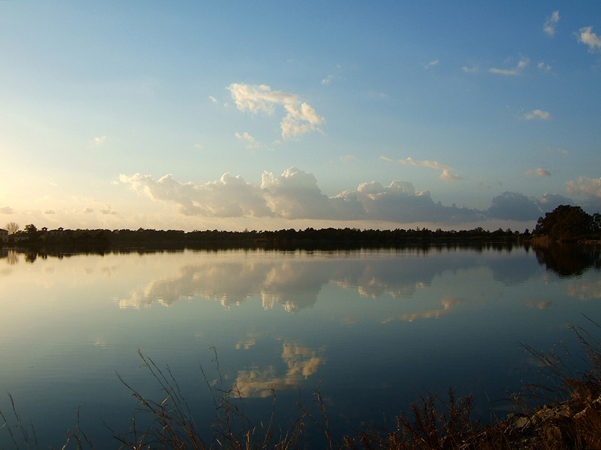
[[564, 412]]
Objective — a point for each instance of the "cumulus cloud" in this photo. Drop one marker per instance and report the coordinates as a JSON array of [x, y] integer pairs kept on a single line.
[[248, 140], [585, 186], [301, 118], [517, 70], [7, 210], [516, 206], [538, 114], [296, 195], [551, 24], [586, 36], [538, 172], [446, 170]]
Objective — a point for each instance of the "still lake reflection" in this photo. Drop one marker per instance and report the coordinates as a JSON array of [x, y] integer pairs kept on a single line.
[[373, 329]]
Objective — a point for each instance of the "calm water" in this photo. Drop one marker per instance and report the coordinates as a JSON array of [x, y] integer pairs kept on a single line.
[[371, 329]]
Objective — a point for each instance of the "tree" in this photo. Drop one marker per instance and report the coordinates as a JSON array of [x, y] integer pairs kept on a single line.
[[30, 229], [566, 223], [12, 227]]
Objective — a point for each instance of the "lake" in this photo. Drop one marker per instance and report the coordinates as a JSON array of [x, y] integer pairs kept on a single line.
[[372, 329]]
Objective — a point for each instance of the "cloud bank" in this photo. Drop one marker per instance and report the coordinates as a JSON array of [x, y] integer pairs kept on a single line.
[[296, 195]]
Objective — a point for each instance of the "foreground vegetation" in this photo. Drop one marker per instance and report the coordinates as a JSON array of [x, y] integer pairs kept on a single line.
[[564, 413]]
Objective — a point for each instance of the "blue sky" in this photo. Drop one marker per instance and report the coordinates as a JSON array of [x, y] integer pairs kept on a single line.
[[270, 115]]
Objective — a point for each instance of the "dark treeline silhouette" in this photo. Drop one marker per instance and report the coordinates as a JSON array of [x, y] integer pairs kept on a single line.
[[286, 238], [565, 223]]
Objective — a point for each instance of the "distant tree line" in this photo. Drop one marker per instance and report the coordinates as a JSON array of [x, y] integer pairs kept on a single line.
[[565, 223]]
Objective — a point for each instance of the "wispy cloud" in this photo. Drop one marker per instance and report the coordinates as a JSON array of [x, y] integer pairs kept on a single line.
[[446, 170], [586, 36], [50, 212], [551, 24], [470, 69], [301, 118], [537, 114], [431, 64], [7, 210], [517, 70], [347, 158], [100, 140], [542, 66], [328, 79], [248, 140], [213, 99]]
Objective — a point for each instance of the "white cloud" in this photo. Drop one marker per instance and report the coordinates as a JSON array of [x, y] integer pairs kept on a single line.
[[296, 195], [431, 64], [347, 158], [515, 71], [248, 140], [585, 186], [301, 118], [551, 24], [589, 38], [446, 170], [537, 114], [213, 99], [538, 172], [259, 98], [100, 140]]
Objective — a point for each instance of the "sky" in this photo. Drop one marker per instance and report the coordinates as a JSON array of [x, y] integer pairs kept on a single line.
[[269, 115]]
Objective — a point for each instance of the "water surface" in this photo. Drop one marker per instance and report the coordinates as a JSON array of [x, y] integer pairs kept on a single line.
[[372, 329]]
